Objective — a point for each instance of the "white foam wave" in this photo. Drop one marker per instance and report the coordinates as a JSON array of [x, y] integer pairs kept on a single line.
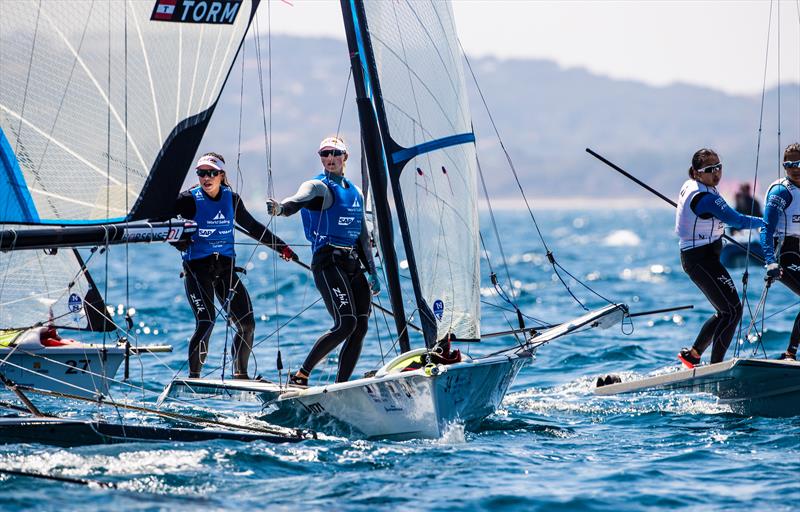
[[622, 238]]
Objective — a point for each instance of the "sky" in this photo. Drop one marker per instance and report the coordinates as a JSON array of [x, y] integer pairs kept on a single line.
[[718, 44]]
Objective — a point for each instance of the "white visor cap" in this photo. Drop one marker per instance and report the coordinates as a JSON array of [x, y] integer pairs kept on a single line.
[[210, 161], [333, 142]]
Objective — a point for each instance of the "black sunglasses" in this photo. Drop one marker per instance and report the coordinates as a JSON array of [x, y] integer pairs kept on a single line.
[[711, 168], [328, 152], [202, 173], [789, 165]]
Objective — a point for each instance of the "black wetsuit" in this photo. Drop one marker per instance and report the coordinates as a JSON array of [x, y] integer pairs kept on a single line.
[[705, 270], [789, 259], [215, 276], [339, 277]]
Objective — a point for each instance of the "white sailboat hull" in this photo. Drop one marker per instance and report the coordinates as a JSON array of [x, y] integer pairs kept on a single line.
[[414, 404], [78, 371], [758, 387]]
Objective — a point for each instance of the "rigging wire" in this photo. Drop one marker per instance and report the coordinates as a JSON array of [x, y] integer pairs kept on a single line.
[[550, 256], [745, 275]]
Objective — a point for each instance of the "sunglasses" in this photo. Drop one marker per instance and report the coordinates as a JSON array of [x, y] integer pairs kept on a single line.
[[328, 152], [710, 168], [203, 173], [789, 165]]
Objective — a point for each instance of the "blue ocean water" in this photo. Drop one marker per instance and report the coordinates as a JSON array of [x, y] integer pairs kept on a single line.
[[553, 445]]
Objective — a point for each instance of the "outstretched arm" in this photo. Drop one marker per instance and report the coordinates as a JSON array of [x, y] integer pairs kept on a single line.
[[778, 199], [715, 206], [312, 194]]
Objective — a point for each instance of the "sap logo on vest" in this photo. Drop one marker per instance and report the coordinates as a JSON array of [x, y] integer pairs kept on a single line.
[[346, 221], [205, 233], [196, 11]]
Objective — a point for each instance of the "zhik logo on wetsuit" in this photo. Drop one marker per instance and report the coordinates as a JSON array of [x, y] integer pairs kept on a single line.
[[342, 297], [198, 304], [205, 233], [795, 218], [217, 12], [346, 221], [727, 281], [793, 267]]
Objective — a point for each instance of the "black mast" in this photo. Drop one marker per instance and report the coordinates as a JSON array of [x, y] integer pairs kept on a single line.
[[365, 72], [376, 162]]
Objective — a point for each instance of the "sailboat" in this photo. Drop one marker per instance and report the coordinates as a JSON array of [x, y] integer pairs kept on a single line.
[[102, 108], [420, 152]]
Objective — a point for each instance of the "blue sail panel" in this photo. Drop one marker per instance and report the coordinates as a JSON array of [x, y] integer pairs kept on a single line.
[[17, 202]]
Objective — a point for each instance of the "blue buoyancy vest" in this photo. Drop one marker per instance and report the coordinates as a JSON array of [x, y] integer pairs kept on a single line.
[[340, 224], [214, 220]]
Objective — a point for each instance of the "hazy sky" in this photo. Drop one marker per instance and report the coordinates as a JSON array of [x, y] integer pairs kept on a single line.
[[719, 44]]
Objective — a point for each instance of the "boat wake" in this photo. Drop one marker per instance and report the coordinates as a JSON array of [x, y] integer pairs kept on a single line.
[[576, 398]]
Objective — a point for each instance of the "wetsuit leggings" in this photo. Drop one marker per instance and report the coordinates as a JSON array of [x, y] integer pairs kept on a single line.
[[345, 290], [704, 268], [206, 278], [790, 264]]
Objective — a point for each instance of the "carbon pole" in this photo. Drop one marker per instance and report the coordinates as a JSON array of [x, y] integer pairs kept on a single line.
[[662, 196]]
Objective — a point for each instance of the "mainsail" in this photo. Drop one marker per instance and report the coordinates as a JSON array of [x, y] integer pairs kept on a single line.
[[411, 70], [103, 104], [102, 108]]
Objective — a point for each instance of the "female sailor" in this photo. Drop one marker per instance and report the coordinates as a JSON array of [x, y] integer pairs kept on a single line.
[[700, 222], [209, 262], [332, 209], [780, 238]]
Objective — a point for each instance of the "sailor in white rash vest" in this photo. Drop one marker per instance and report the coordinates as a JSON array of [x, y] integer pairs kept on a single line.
[[700, 222], [780, 239], [332, 208]]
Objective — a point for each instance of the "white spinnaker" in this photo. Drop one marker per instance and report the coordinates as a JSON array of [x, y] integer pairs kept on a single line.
[[81, 159], [424, 96], [33, 284]]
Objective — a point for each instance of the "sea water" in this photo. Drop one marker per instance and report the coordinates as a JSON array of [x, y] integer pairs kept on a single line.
[[552, 445]]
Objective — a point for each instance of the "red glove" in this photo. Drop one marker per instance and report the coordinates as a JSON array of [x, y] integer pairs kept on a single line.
[[288, 254]]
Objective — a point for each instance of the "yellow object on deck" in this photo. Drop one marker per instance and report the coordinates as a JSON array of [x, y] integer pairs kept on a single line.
[[7, 338]]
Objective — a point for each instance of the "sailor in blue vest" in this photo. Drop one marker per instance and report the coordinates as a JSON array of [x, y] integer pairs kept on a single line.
[[209, 262], [782, 234], [700, 222], [332, 208]]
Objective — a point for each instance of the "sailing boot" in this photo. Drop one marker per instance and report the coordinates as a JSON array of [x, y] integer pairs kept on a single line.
[[688, 358]]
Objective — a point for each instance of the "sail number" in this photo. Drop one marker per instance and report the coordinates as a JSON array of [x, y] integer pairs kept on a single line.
[[74, 366]]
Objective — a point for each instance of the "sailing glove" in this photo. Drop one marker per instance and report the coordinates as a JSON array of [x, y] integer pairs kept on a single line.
[[773, 271], [374, 283], [274, 207], [288, 254]]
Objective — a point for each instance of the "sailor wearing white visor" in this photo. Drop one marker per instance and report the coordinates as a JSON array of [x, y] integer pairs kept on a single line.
[[209, 262], [332, 208]]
